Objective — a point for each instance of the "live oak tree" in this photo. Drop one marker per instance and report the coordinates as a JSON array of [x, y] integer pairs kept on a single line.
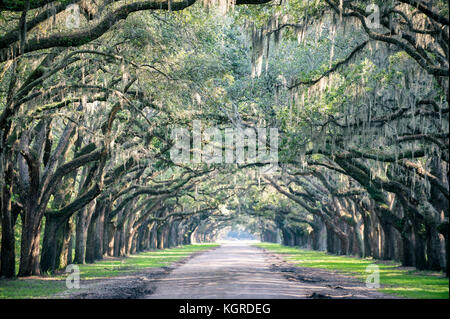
[[87, 115]]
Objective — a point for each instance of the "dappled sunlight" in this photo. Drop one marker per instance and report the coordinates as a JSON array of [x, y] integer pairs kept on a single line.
[[393, 278], [156, 258], [224, 149], [32, 287], [242, 271]]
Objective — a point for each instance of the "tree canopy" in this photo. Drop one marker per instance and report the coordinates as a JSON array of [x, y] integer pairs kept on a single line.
[[92, 91]]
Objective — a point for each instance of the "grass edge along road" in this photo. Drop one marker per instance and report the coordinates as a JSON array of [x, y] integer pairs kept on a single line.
[[48, 285], [394, 280]]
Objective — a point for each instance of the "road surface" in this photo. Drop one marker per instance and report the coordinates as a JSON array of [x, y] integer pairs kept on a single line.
[[241, 271]]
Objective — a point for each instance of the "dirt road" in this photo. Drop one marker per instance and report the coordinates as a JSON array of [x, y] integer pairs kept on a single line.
[[241, 271], [232, 271]]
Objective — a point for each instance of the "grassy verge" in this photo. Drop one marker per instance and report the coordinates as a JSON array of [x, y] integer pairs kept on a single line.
[[45, 286], [393, 278]]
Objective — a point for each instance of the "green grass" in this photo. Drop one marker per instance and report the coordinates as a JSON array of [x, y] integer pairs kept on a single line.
[[46, 286], [157, 258], [393, 279], [30, 288]]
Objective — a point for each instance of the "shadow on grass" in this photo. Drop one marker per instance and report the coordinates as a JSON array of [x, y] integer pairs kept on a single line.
[[48, 285], [394, 279]]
